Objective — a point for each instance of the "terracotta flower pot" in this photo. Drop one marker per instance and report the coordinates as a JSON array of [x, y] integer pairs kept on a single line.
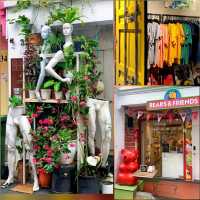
[[35, 39], [44, 180]]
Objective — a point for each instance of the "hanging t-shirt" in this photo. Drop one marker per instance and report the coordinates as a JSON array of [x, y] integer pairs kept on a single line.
[[153, 35], [187, 44], [180, 41], [195, 42], [162, 45]]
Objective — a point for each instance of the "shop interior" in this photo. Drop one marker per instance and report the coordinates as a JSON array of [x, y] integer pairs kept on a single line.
[[173, 43], [160, 137]]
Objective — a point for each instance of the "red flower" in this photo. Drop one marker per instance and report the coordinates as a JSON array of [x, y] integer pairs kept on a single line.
[[46, 147], [83, 103], [40, 122], [48, 160], [49, 153], [36, 147], [86, 78], [72, 145], [42, 171], [74, 99], [50, 122], [30, 120], [34, 115], [38, 108]]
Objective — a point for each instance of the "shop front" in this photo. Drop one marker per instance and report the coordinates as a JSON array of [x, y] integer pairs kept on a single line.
[[163, 125]]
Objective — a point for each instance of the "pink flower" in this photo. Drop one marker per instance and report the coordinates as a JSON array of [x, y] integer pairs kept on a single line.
[[82, 103], [38, 108], [74, 99], [34, 161], [48, 160], [45, 128], [30, 120], [40, 122], [72, 145]]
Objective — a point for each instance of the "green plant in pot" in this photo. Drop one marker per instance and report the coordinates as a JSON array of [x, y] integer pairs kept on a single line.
[[30, 87], [56, 85], [45, 157], [46, 89], [25, 25], [66, 145], [16, 105]]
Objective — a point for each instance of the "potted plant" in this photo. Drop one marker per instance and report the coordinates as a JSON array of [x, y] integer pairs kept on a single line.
[[46, 90], [88, 181], [64, 15], [16, 105], [67, 145], [45, 157], [24, 23], [31, 90]]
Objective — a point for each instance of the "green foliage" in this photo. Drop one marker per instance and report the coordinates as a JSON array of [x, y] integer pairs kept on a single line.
[[56, 85], [55, 41], [23, 4], [48, 84], [24, 23], [15, 101], [65, 15], [30, 86]]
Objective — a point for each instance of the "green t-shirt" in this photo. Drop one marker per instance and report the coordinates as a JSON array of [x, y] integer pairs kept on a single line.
[[187, 45]]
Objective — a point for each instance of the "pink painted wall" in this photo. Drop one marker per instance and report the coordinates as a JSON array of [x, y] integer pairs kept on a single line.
[[3, 41]]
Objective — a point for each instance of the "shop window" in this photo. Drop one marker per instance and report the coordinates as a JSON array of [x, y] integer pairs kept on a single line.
[[164, 139]]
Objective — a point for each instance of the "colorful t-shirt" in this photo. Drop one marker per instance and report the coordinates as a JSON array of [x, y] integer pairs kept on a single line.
[[187, 44]]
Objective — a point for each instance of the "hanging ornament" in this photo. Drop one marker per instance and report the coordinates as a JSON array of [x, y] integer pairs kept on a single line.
[[140, 114], [159, 117], [195, 115], [170, 116], [183, 116], [149, 116]]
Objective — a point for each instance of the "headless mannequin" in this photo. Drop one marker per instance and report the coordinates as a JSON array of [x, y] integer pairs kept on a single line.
[[15, 120], [47, 69], [99, 109], [59, 56]]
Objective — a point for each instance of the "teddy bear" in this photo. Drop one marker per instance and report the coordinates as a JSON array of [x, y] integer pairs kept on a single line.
[[127, 167]]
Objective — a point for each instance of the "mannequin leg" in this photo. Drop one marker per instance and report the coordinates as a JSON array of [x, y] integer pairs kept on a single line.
[[40, 79], [91, 128], [104, 119], [11, 134], [25, 128]]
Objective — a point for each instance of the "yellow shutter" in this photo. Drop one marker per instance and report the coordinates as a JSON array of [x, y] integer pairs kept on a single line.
[[128, 43]]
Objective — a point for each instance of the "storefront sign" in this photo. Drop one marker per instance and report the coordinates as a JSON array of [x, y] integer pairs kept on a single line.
[[174, 103], [172, 94]]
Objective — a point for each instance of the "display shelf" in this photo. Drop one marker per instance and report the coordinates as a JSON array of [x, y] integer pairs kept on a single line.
[[140, 174], [27, 100]]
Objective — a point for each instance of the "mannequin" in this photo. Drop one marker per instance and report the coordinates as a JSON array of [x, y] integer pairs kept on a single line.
[[47, 68], [59, 56], [99, 109], [45, 50], [15, 120]]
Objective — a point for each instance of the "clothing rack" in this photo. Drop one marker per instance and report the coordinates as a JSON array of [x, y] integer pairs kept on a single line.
[[163, 17]]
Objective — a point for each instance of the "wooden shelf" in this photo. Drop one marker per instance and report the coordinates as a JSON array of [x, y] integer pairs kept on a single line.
[[44, 101], [140, 174]]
